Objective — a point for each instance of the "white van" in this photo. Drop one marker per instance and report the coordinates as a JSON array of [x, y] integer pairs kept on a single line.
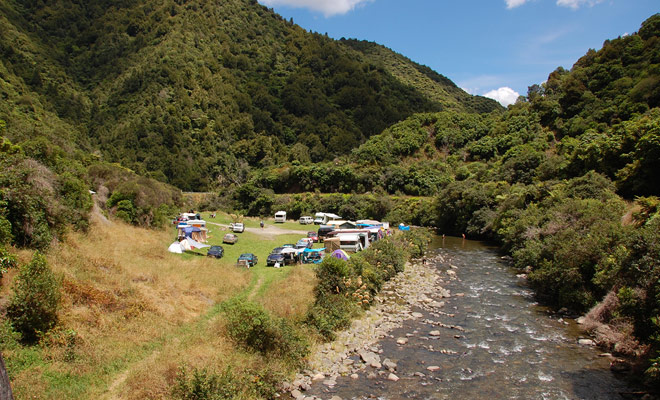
[[280, 216], [306, 220]]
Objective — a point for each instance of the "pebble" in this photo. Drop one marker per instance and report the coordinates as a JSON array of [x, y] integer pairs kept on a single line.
[[318, 377], [586, 342], [354, 376], [296, 394], [434, 333], [401, 341], [392, 377], [433, 368]]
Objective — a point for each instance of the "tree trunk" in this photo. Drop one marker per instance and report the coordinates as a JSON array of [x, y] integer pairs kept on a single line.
[[5, 386]]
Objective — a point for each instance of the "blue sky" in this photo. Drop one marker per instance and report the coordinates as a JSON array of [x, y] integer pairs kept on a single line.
[[494, 47]]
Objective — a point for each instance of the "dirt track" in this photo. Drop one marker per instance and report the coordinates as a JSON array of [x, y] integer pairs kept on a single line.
[[268, 230]]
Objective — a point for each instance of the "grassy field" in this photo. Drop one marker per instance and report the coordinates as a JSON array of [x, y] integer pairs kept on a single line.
[[133, 314]]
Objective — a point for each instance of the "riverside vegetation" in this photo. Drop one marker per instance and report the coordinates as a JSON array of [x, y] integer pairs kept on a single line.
[[150, 94]]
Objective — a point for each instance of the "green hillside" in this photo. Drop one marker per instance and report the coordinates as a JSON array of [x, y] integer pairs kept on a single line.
[[191, 92], [433, 85]]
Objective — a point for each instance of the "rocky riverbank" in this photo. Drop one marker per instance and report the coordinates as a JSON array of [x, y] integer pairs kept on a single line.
[[355, 350]]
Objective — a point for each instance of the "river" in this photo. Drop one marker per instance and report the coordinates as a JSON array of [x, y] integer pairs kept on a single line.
[[506, 345]]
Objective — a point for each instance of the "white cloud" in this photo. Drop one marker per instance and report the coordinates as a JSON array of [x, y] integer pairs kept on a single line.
[[327, 7], [504, 95], [575, 4], [514, 3]]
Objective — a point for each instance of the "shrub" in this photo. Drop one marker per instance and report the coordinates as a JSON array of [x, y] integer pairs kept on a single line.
[[202, 384], [251, 327], [331, 313], [7, 260], [34, 303]]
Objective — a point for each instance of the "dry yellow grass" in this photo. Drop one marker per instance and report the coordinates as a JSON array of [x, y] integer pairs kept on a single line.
[[289, 298], [134, 309]]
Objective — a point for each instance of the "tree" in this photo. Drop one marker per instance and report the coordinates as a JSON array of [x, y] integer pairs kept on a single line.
[[33, 306]]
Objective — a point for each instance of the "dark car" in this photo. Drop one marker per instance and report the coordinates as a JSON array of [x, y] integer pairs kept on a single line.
[[250, 258], [277, 250], [314, 236], [216, 251], [274, 258]]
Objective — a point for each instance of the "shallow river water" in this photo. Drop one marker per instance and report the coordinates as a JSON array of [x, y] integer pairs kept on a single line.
[[509, 348]]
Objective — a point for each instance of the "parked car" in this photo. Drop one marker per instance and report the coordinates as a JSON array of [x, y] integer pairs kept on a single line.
[[230, 238], [306, 220], [237, 227], [277, 250], [304, 243], [215, 251], [314, 236], [250, 258], [274, 258]]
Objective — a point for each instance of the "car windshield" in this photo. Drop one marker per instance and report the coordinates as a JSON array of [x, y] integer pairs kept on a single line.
[[246, 256], [216, 248], [277, 250]]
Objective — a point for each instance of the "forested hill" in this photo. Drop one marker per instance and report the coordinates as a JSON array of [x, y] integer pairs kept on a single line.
[[433, 85], [189, 91]]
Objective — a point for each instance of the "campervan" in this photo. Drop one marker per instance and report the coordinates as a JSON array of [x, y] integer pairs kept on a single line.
[[350, 242], [322, 218], [280, 216]]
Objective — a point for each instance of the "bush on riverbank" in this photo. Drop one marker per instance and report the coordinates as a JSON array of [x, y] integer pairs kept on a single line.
[[346, 287], [253, 328]]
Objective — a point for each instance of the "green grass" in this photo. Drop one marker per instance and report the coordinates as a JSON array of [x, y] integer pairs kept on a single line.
[[260, 245]]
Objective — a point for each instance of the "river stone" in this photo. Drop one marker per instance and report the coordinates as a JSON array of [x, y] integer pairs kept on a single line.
[[433, 368], [296, 394], [376, 365], [318, 377], [354, 376], [372, 375], [392, 377], [389, 364], [335, 398], [369, 357], [586, 342], [434, 333], [417, 315], [401, 341]]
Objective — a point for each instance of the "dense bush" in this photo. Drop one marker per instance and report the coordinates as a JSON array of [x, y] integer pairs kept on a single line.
[[135, 199], [202, 384], [7, 260], [250, 326], [345, 287], [33, 306]]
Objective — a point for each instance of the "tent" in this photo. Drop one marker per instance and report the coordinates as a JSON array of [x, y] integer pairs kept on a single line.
[[340, 254], [310, 256], [331, 244], [194, 244], [175, 248]]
